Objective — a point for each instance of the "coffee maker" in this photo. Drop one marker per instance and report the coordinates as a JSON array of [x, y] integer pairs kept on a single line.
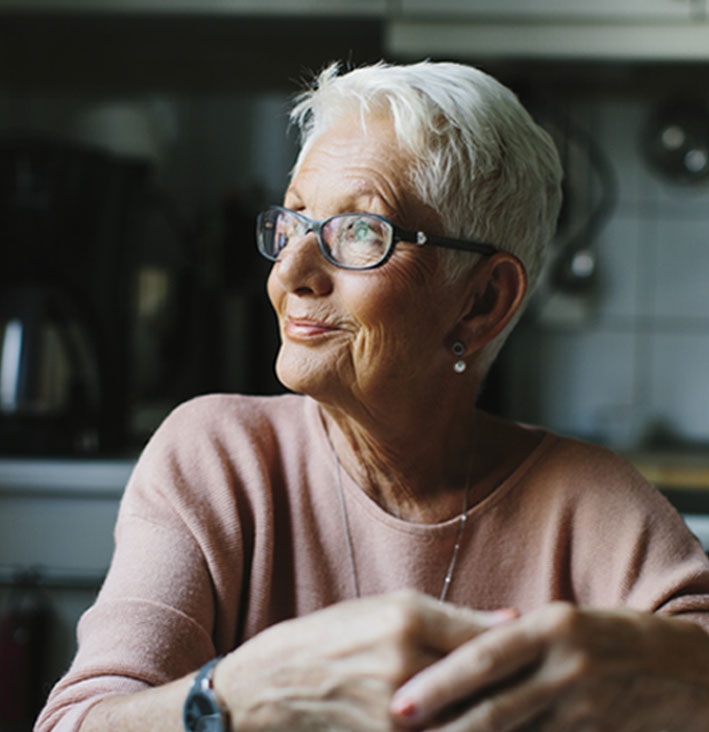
[[100, 299]]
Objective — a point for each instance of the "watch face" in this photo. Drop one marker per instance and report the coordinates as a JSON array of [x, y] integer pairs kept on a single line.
[[202, 712], [200, 704]]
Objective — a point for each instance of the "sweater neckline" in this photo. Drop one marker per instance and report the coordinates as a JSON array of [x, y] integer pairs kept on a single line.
[[362, 501]]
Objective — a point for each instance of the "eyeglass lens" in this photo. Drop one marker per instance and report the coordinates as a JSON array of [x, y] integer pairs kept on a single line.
[[351, 240]]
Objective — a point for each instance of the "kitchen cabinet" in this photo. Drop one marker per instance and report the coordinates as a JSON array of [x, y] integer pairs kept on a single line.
[[127, 47], [325, 8], [607, 30], [557, 9]]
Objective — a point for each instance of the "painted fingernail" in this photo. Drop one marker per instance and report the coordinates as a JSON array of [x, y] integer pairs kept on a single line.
[[504, 614], [404, 707]]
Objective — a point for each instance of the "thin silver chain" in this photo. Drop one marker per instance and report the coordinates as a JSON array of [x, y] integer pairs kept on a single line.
[[348, 536], [456, 548]]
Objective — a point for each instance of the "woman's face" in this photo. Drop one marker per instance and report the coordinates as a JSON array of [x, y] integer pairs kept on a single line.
[[372, 336]]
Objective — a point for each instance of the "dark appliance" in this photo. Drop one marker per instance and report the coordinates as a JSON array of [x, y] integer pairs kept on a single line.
[[99, 299], [49, 378]]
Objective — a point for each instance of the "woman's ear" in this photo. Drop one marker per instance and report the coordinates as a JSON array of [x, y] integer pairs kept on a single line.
[[498, 287]]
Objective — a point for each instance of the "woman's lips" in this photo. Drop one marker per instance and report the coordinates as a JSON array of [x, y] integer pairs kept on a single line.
[[304, 328]]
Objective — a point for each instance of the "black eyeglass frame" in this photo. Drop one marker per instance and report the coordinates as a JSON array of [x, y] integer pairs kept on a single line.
[[420, 238]]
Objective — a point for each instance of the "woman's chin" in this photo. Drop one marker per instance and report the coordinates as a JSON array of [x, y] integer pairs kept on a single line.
[[303, 375]]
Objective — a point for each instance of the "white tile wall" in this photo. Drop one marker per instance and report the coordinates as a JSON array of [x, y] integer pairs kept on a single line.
[[674, 198], [682, 289], [679, 387], [578, 382], [618, 251], [618, 124], [635, 361]]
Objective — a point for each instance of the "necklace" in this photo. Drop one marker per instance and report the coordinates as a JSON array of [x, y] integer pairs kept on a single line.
[[456, 548]]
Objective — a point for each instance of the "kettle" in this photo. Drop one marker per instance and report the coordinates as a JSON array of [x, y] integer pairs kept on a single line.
[[49, 380]]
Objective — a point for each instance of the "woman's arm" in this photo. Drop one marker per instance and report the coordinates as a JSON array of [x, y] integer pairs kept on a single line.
[[152, 710], [336, 668]]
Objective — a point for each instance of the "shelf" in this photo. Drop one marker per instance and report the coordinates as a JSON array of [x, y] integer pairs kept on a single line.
[[65, 477], [555, 9], [558, 40], [323, 8]]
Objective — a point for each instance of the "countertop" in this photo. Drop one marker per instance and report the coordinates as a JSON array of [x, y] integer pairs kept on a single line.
[[66, 476], [673, 469], [682, 475]]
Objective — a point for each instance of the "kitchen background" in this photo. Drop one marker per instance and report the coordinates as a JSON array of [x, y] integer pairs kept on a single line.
[[138, 140]]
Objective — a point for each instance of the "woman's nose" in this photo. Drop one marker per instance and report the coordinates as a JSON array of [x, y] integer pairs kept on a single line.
[[302, 268]]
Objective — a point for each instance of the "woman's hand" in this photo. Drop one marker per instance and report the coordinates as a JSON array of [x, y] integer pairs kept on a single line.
[[565, 669], [338, 668]]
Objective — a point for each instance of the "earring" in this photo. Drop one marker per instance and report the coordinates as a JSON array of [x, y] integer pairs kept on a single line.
[[458, 349]]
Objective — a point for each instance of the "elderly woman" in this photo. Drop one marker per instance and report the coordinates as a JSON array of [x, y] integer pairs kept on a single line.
[[375, 553]]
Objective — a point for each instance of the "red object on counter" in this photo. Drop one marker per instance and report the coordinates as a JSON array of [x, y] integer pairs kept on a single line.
[[24, 629]]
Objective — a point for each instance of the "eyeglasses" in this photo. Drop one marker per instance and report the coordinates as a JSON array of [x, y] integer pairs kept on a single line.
[[347, 240]]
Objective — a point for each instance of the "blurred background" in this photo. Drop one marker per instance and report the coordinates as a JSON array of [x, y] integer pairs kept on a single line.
[[138, 139]]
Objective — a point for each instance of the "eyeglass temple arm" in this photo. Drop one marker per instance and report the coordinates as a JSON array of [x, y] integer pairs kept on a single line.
[[421, 238]]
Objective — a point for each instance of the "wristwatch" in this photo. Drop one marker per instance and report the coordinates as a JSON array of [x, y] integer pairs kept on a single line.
[[202, 712]]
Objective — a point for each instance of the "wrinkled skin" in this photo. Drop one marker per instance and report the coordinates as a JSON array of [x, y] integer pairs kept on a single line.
[[562, 668], [338, 668], [406, 661]]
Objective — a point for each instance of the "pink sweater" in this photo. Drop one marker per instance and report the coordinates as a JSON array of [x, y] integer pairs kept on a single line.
[[231, 522]]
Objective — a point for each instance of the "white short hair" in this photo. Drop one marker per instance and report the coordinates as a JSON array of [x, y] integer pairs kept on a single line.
[[479, 159]]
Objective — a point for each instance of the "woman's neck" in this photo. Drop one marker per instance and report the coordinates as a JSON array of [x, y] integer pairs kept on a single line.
[[419, 470]]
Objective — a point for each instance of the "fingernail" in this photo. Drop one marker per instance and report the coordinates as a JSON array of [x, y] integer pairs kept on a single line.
[[503, 615], [403, 706]]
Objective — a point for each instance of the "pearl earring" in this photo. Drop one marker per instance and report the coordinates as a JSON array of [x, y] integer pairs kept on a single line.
[[458, 349]]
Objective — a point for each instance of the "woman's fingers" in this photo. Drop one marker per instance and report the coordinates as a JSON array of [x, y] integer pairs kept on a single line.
[[444, 627], [510, 710], [574, 668], [491, 658], [343, 659]]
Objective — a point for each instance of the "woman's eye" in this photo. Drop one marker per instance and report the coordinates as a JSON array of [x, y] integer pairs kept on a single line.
[[362, 231]]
